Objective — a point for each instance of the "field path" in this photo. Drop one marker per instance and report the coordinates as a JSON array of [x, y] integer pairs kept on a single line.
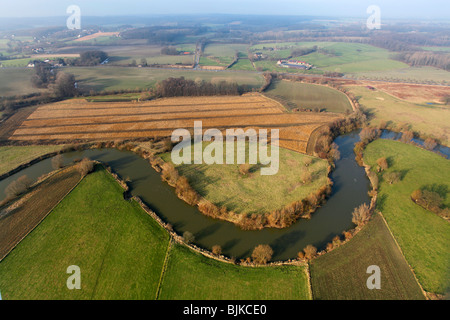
[[164, 268]]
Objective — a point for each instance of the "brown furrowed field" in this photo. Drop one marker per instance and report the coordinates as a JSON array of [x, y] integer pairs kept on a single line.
[[417, 93], [22, 216], [96, 35], [82, 120]]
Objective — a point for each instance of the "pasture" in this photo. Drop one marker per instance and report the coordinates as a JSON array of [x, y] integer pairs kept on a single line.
[[192, 276], [310, 96], [12, 157], [78, 119], [428, 75], [118, 247], [341, 273], [117, 78], [121, 253], [16, 82], [422, 235], [330, 56], [422, 118], [219, 54], [223, 185]]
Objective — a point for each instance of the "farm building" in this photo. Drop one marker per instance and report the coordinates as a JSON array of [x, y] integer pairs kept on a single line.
[[294, 64]]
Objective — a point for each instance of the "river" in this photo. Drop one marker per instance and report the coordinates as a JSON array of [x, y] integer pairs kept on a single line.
[[349, 191]]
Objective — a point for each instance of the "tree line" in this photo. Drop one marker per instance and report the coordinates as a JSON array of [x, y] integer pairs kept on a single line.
[[425, 58], [181, 87], [61, 84]]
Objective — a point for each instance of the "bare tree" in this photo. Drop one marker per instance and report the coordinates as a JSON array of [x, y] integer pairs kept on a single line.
[[361, 215], [310, 251], [382, 163], [57, 162], [407, 137], [262, 254], [188, 237], [217, 250], [18, 187], [430, 144], [85, 166]]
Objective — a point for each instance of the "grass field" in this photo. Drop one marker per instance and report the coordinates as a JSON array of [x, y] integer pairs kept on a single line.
[[310, 96], [337, 57], [422, 235], [218, 54], [223, 185], [23, 62], [12, 157], [120, 251], [16, 82], [124, 54], [243, 64], [118, 247], [427, 75], [115, 78], [78, 119], [422, 118], [341, 273], [191, 276]]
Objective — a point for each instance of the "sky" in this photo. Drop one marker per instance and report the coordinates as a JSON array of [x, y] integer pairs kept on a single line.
[[392, 9]]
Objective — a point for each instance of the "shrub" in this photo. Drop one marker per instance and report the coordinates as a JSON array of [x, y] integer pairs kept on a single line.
[[361, 215], [310, 251], [85, 166], [369, 134], [432, 200], [407, 136], [18, 187], [188, 237], [430, 144], [57, 162], [334, 154], [392, 177], [382, 164], [217, 250], [373, 179], [262, 254], [169, 173]]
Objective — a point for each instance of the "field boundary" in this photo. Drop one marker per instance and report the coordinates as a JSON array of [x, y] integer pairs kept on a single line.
[[404, 258], [28, 164], [308, 276], [164, 268]]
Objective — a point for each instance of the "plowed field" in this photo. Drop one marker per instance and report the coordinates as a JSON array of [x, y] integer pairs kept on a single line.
[[79, 119]]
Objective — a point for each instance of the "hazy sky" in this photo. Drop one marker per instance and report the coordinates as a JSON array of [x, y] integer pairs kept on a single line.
[[431, 9]]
